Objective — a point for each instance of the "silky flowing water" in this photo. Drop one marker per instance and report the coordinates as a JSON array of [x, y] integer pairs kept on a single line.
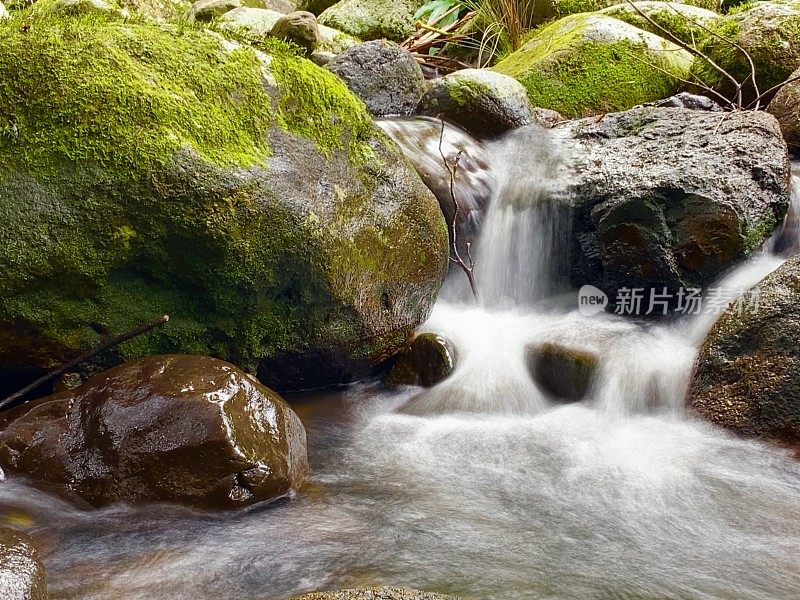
[[481, 486]]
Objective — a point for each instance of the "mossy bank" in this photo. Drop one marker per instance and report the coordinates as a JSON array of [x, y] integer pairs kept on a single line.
[[152, 169]]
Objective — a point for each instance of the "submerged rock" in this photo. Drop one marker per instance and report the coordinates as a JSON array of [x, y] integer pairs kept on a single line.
[[373, 19], [382, 593], [384, 75], [427, 360], [747, 376], [576, 65], [249, 196], [186, 429], [299, 27], [670, 197], [485, 103], [768, 32], [564, 374], [22, 575], [785, 107]]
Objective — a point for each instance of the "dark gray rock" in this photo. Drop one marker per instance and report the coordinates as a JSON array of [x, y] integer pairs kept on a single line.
[[186, 429], [384, 75], [747, 376], [485, 103], [687, 100], [670, 196], [299, 27], [22, 575], [564, 374]]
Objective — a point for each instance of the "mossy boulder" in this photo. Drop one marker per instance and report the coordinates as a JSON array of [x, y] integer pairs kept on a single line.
[[571, 7], [785, 107], [427, 360], [671, 197], [485, 103], [564, 374], [22, 575], [149, 170], [385, 76], [382, 593], [373, 19], [769, 33], [183, 429], [256, 23], [208, 10], [300, 28], [578, 64], [685, 21], [747, 376]]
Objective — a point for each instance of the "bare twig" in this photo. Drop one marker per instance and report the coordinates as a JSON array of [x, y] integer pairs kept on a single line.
[[115, 341], [455, 255]]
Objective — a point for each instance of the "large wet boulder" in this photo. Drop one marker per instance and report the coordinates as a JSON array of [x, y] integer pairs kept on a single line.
[[22, 575], [769, 33], [576, 65], [184, 429], [255, 23], [686, 22], [671, 197], [373, 19], [564, 374], [249, 196], [428, 359], [785, 107], [384, 75], [485, 103], [747, 376], [382, 593]]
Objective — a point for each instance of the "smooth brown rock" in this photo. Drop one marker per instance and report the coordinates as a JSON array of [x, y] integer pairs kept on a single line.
[[427, 360], [564, 374], [22, 575], [186, 429], [300, 28]]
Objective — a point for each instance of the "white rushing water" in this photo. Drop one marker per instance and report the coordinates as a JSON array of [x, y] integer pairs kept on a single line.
[[482, 486]]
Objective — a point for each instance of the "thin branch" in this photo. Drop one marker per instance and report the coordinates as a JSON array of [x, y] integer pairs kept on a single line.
[[772, 89], [455, 254], [115, 341]]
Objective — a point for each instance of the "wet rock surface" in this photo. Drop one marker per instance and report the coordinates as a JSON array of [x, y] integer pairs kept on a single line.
[[382, 593], [184, 429], [384, 75], [747, 375], [427, 360], [564, 374], [785, 107], [22, 575], [669, 197]]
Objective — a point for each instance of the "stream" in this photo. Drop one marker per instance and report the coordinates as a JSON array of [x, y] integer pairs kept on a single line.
[[482, 486]]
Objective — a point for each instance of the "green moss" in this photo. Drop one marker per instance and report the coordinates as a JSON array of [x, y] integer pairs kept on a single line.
[[758, 232], [564, 72], [681, 25], [571, 7]]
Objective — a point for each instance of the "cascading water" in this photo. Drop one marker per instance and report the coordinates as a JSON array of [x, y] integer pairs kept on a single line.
[[482, 486]]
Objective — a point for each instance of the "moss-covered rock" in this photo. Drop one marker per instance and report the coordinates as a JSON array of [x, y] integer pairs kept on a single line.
[[208, 10], [768, 32], [785, 107], [485, 103], [686, 22], [22, 575], [427, 360], [747, 376], [315, 6], [149, 170], [373, 19], [300, 28], [185, 429], [571, 7], [256, 23], [563, 374], [587, 64]]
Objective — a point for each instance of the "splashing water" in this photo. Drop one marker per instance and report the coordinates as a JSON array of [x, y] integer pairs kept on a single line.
[[482, 486]]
